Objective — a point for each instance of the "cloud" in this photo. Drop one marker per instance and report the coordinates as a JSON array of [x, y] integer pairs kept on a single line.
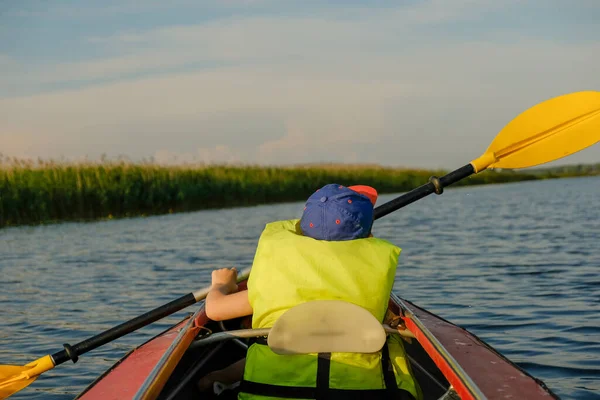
[[291, 113], [426, 9], [376, 86], [246, 40], [83, 9]]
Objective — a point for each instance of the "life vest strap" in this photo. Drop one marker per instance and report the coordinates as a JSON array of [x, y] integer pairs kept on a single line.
[[388, 372], [323, 365]]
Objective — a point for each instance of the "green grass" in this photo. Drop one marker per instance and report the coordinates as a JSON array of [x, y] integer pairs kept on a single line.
[[34, 193]]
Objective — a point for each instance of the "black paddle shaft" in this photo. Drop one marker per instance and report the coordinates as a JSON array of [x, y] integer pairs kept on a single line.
[[73, 352], [435, 185]]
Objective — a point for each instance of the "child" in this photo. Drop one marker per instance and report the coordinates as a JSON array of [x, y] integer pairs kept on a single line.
[[328, 254]]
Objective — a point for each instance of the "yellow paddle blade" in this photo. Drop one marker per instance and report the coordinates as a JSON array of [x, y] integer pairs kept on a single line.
[[554, 129], [14, 378]]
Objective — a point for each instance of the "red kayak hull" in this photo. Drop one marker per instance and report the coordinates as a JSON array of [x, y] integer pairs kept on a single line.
[[471, 366], [128, 378]]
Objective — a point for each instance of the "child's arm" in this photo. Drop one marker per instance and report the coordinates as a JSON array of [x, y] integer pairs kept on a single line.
[[223, 300]]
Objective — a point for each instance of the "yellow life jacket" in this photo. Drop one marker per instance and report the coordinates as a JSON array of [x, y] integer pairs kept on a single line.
[[290, 269]]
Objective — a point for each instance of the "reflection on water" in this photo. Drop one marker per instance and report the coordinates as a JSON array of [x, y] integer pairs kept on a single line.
[[516, 264]]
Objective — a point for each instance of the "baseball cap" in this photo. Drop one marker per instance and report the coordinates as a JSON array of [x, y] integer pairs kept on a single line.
[[336, 212]]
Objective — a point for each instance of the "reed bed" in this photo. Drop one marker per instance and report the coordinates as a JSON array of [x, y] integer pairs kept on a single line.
[[48, 191]]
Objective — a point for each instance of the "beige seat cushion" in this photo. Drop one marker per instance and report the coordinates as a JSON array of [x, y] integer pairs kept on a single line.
[[326, 326]]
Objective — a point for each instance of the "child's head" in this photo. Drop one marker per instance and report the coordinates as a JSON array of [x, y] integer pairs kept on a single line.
[[337, 212]]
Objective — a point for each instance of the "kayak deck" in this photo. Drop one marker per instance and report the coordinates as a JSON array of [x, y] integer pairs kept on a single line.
[[472, 366], [447, 361]]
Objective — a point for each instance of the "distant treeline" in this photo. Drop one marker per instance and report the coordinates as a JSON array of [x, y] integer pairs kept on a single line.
[[33, 193]]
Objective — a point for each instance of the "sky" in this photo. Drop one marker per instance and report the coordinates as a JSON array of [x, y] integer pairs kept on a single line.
[[423, 84]]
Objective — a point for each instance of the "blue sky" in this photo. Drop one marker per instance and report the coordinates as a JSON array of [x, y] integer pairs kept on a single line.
[[401, 83]]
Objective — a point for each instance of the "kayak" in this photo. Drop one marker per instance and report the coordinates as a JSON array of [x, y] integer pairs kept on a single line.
[[448, 361]]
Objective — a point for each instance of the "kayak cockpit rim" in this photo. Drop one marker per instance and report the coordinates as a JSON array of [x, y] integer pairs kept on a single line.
[[212, 338], [464, 378], [151, 378]]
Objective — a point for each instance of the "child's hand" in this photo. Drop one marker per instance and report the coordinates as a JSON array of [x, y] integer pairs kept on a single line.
[[226, 278]]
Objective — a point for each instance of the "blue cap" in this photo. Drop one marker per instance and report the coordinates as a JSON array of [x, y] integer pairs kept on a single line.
[[337, 213]]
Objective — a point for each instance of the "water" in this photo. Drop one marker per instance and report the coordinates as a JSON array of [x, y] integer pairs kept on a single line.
[[516, 264]]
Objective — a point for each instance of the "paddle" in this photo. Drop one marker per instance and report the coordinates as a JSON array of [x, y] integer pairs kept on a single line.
[[546, 132], [14, 378], [551, 130]]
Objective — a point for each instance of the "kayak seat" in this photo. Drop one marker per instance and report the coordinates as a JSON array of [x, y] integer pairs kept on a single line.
[[326, 326]]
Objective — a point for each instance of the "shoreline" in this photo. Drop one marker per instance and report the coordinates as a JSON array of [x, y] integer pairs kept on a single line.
[[50, 193]]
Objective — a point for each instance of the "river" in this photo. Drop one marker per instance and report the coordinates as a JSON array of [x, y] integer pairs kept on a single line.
[[516, 264]]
